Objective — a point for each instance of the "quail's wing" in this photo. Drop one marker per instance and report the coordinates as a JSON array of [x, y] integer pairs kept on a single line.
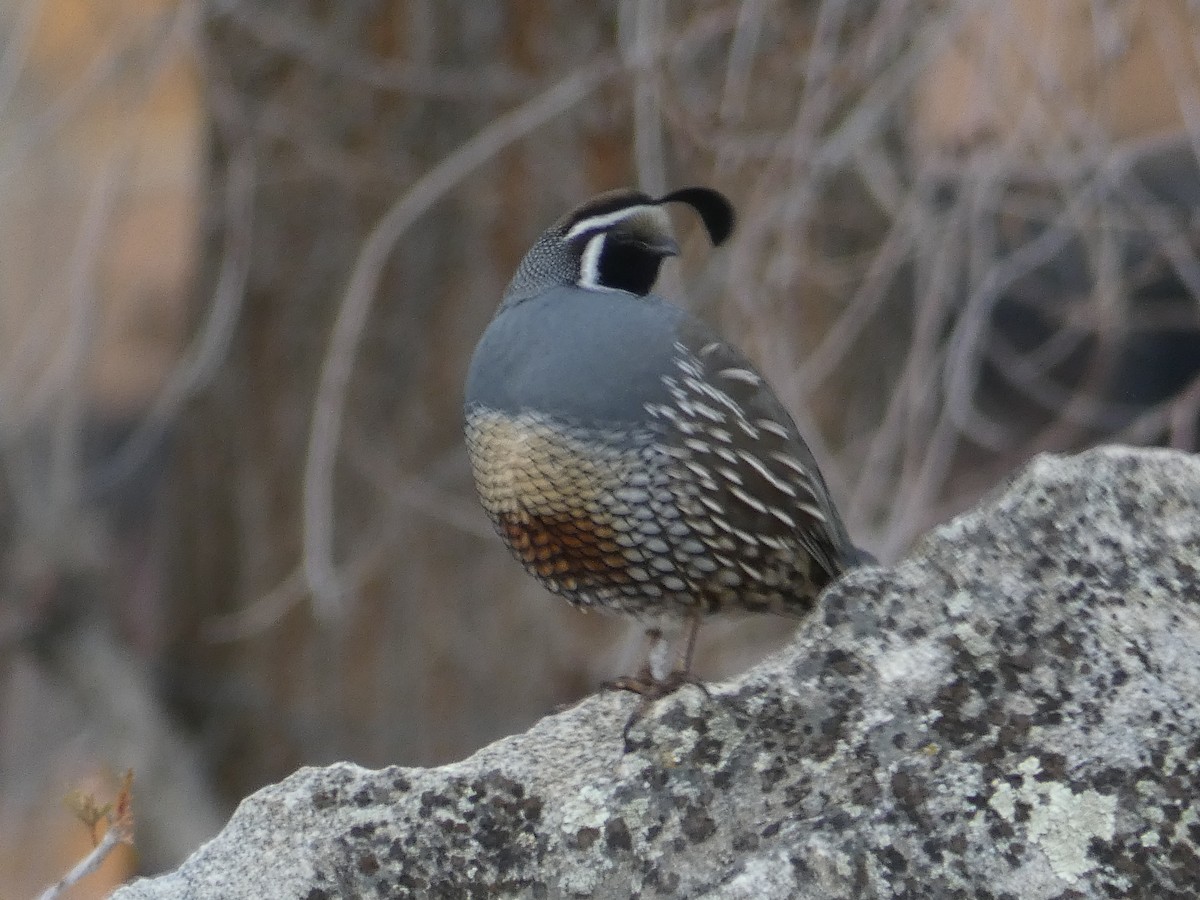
[[734, 435]]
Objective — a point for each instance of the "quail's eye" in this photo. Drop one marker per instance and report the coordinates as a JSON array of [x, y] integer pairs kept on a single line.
[[628, 264]]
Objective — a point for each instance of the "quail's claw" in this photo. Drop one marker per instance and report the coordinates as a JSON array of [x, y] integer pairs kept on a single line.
[[652, 690]]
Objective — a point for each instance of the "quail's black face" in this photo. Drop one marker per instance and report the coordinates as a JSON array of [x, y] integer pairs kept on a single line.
[[621, 237], [628, 263], [621, 250]]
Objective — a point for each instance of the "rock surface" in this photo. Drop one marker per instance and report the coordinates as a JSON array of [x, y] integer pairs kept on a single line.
[[1013, 711]]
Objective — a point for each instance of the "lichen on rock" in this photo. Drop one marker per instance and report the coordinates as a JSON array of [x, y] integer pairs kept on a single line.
[[1010, 712]]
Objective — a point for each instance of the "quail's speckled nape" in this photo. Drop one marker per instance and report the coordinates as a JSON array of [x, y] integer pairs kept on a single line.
[[633, 461]]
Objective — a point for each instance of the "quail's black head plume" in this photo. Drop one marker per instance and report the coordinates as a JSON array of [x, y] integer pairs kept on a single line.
[[630, 459]]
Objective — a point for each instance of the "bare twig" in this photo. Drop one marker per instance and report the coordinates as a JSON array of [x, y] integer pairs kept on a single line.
[[119, 819], [112, 839]]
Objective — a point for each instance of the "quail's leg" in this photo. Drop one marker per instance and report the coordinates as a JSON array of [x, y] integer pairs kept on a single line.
[[655, 688], [656, 679], [652, 672], [675, 679], [658, 656]]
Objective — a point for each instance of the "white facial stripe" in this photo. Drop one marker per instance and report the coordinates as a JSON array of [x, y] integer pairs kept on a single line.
[[595, 223], [589, 264]]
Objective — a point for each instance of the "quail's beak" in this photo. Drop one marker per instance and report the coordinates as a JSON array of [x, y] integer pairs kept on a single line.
[[662, 246]]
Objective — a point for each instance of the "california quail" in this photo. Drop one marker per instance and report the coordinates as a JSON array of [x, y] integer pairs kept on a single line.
[[629, 458]]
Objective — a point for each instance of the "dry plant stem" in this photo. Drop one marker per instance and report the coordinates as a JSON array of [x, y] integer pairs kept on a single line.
[[838, 342], [114, 836], [406, 493]]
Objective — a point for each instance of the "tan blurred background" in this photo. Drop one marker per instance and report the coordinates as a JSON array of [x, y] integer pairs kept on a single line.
[[246, 249]]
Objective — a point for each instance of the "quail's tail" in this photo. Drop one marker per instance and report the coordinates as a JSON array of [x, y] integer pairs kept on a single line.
[[860, 557]]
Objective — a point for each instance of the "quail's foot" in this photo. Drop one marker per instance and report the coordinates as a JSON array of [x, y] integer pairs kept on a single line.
[[652, 690]]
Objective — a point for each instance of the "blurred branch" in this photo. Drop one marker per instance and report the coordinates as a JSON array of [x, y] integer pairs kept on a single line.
[[140, 49], [284, 34], [742, 50], [16, 48], [839, 340], [67, 377], [640, 28], [210, 345], [421, 490], [319, 570], [259, 615], [967, 343], [44, 507]]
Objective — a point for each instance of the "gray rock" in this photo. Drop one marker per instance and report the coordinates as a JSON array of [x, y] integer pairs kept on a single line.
[[1010, 712]]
